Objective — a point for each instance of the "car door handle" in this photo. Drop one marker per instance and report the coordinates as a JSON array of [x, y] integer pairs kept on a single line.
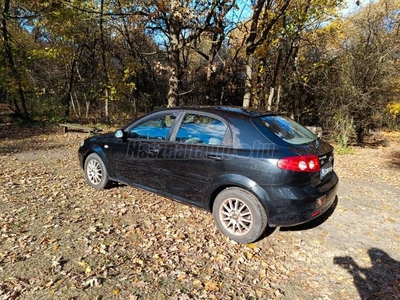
[[213, 157]]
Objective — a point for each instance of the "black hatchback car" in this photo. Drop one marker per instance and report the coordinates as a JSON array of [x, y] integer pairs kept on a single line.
[[249, 169]]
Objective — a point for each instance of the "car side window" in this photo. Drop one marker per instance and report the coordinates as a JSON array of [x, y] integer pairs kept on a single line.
[[201, 129], [156, 128]]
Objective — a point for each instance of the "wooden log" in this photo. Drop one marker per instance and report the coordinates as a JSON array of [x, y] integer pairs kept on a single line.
[[73, 127]]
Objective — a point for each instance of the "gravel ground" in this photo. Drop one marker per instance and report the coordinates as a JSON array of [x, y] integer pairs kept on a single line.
[[61, 239]]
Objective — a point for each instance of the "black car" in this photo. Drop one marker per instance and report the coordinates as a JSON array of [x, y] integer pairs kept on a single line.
[[249, 169]]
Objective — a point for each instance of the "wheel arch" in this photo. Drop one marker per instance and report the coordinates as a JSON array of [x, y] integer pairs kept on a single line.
[[97, 150], [239, 181]]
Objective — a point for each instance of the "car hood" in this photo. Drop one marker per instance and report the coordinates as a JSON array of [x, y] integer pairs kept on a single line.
[[101, 137]]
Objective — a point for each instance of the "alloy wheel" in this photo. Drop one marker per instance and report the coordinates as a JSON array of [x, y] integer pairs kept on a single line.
[[236, 216], [94, 172]]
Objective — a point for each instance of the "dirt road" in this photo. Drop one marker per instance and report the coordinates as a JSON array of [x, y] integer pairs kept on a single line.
[[356, 253], [60, 239]]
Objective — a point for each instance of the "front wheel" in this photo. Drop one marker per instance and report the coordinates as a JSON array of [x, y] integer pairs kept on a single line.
[[239, 215], [95, 172]]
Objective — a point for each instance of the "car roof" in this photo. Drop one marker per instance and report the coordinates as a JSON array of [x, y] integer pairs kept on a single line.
[[225, 111], [237, 117]]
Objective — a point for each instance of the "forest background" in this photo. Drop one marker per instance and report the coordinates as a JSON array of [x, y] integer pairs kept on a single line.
[[111, 60]]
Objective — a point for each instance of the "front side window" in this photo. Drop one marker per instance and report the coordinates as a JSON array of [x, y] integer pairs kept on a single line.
[[201, 129], [156, 128], [286, 129]]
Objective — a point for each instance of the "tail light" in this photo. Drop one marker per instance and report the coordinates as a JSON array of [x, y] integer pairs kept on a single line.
[[309, 163]]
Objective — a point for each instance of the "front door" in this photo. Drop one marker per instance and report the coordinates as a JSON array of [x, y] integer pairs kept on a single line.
[[137, 160]]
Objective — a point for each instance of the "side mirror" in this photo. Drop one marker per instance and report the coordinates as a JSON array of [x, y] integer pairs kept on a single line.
[[119, 134]]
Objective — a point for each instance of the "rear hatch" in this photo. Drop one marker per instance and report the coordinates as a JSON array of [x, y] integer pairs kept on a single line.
[[289, 134], [324, 151], [326, 158]]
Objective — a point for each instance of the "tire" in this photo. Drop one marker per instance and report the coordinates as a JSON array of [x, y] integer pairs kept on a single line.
[[239, 215], [95, 172]]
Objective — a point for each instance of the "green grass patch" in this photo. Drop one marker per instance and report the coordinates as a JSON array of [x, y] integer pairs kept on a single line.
[[344, 150]]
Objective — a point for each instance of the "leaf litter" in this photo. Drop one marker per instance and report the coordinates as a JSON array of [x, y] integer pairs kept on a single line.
[[59, 238]]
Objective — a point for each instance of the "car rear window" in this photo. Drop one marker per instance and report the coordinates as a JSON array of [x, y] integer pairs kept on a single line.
[[286, 129]]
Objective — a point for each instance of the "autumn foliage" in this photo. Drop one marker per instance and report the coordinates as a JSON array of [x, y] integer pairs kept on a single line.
[[112, 60]]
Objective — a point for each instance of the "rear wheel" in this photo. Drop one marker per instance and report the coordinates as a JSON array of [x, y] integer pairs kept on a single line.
[[239, 215], [95, 172]]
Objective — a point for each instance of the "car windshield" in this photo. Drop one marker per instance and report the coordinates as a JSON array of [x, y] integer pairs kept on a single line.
[[287, 129]]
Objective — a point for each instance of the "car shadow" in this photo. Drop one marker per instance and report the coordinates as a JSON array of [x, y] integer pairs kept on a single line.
[[380, 281], [115, 185], [268, 231], [315, 222]]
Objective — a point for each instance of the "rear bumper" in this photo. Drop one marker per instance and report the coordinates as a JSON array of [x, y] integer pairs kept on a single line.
[[293, 206]]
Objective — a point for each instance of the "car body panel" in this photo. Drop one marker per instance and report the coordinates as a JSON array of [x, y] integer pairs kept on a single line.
[[186, 163], [158, 159]]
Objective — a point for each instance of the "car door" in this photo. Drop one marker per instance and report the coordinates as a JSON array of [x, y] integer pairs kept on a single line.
[[198, 156], [137, 159]]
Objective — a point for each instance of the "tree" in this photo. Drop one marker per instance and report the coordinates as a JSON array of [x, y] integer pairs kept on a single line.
[[12, 71], [301, 19], [65, 36], [373, 55], [353, 70], [104, 60], [266, 13], [179, 24], [135, 53]]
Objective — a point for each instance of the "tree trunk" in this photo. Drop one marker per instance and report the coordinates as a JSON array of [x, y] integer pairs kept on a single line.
[[275, 77], [87, 102], [278, 97], [247, 83], [250, 48], [67, 99], [104, 61], [270, 97], [221, 99], [208, 82], [173, 81], [20, 108], [65, 106], [76, 107], [295, 109], [217, 40], [175, 69], [258, 35]]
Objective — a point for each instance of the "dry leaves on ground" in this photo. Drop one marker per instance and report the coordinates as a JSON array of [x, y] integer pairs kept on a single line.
[[61, 239]]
